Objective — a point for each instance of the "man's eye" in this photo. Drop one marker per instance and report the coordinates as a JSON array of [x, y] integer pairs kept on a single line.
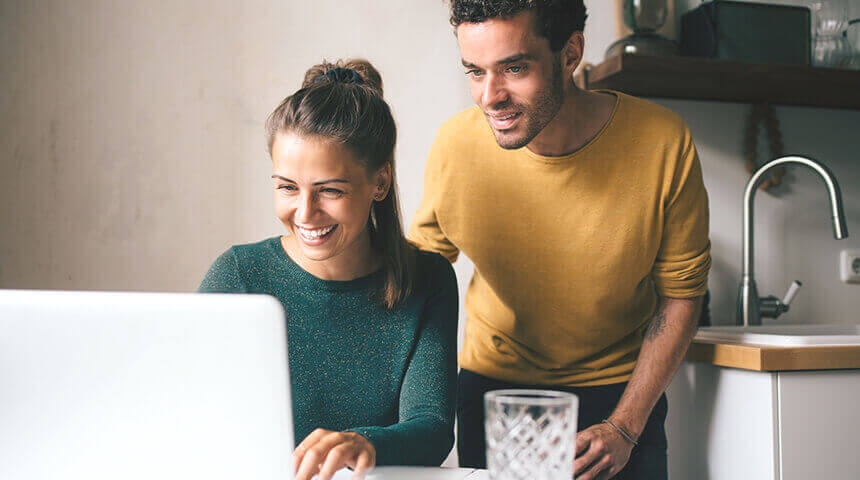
[[516, 69], [289, 188], [332, 192], [473, 73]]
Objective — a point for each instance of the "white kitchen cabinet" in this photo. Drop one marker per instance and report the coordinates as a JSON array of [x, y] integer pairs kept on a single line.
[[729, 423]]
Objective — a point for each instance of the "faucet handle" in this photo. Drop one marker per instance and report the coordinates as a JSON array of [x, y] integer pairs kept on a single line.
[[771, 307], [792, 291]]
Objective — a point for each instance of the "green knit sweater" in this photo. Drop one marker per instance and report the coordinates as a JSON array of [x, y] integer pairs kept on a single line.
[[388, 375]]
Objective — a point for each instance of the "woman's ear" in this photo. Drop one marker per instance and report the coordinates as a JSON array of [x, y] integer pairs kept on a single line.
[[383, 182]]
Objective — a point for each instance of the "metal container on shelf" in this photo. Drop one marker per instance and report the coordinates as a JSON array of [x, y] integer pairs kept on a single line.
[[644, 17], [751, 32]]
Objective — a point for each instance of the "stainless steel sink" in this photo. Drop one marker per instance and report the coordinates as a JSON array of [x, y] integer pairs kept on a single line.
[[782, 335]]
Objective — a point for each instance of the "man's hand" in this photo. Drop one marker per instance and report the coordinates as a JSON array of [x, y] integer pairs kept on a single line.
[[324, 452], [601, 452]]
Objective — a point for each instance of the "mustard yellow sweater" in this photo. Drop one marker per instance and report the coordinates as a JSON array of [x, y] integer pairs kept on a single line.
[[570, 252]]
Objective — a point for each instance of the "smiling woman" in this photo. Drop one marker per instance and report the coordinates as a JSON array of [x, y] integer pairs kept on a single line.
[[324, 197], [338, 131], [371, 321]]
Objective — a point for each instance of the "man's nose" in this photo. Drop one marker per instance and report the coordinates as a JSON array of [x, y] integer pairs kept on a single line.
[[495, 90]]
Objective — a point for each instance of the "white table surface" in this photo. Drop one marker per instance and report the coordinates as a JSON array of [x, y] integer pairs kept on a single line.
[[418, 473]]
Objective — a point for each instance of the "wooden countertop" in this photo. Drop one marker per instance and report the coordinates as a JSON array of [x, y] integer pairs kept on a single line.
[[767, 358]]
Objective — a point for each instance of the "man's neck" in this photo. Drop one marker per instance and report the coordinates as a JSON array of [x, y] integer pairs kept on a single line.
[[581, 117]]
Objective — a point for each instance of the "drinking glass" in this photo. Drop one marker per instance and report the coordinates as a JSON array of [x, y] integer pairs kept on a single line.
[[531, 434]]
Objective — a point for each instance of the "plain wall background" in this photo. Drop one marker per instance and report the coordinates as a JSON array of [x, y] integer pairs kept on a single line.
[[132, 134]]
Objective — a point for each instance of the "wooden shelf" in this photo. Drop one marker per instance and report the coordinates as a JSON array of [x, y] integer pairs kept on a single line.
[[695, 78]]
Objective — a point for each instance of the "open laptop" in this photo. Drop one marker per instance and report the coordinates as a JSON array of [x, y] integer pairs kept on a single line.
[[143, 386]]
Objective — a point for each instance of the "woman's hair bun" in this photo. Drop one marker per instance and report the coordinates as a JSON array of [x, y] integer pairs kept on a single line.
[[369, 76]]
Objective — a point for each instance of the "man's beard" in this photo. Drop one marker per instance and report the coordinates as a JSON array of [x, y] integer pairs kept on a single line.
[[537, 115]]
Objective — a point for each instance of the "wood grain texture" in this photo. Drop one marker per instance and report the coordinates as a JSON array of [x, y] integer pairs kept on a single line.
[[725, 80], [770, 359]]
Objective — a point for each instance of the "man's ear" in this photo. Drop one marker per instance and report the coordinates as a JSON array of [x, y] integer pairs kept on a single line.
[[571, 53]]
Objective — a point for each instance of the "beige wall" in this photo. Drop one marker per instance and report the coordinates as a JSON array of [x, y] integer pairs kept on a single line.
[[131, 149]]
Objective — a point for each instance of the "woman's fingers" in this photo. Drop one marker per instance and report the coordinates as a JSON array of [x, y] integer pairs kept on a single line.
[[325, 452], [365, 462], [315, 454], [305, 445], [337, 458], [310, 465]]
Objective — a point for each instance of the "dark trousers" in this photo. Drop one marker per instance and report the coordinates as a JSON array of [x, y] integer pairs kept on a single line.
[[647, 461]]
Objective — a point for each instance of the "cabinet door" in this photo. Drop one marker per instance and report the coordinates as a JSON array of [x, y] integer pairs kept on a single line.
[[722, 424], [819, 424]]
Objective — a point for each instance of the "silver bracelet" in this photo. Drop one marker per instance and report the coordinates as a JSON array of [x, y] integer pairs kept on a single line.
[[622, 432]]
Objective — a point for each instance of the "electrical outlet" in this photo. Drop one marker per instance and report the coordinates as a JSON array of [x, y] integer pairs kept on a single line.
[[849, 265]]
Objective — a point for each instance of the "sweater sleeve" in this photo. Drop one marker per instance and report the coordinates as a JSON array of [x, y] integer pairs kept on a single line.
[[223, 276], [684, 257], [424, 434], [425, 231]]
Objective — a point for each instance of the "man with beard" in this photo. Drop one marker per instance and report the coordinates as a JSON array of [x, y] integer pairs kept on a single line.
[[586, 217]]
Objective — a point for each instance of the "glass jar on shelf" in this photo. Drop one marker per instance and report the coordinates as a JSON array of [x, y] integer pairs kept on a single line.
[[831, 47], [853, 35]]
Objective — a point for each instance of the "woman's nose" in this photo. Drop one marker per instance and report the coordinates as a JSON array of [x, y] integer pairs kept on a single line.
[[305, 208]]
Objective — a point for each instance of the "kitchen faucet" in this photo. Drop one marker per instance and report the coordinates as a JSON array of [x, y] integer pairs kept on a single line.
[[751, 307]]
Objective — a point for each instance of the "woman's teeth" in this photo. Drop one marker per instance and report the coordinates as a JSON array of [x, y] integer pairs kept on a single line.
[[316, 233]]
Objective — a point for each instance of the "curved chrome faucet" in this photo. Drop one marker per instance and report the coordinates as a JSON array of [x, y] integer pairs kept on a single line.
[[751, 307]]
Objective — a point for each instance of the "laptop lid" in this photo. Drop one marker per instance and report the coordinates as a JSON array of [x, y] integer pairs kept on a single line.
[[98, 385]]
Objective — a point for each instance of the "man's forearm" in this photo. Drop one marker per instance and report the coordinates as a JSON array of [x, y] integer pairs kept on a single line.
[[666, 341]]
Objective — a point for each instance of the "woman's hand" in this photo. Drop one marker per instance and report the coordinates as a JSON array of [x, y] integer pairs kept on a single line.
[[601, 453], [324, 452]]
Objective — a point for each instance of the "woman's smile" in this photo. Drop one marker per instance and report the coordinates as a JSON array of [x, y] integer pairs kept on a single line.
[[315, 236]]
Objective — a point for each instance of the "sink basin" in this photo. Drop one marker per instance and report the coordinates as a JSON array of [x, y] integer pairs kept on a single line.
[[782, 335]]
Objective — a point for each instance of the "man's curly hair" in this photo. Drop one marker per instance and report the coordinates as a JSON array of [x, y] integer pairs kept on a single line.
[[556, 19]]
